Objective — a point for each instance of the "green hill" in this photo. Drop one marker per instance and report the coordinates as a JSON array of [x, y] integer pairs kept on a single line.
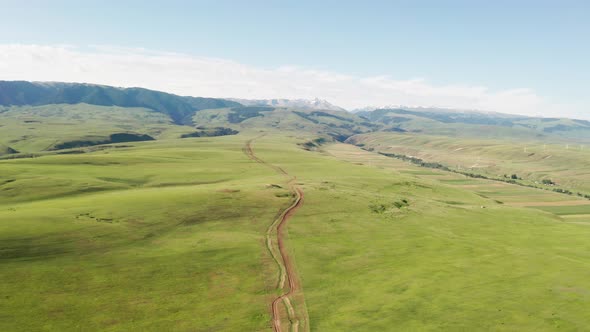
[[532, 161], [486, 144], [179, 109], [52, 116], [191, 214], [175, 234], [337, 125], [31, 129], [4, 150], [431, 121]]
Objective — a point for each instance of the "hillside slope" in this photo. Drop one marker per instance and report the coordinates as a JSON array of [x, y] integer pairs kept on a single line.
[[565, 165], [32, 129], [4, 150], [179, 109], [171, 234], [338, 125], [456, 123]]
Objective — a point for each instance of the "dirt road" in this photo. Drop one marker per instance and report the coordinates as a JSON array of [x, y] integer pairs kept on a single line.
[[285, 262]]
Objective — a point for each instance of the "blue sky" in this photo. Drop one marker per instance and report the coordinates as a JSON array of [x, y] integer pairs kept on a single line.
[[540, 46]]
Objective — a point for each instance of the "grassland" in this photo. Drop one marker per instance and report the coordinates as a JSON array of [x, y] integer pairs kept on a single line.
[[38, 128], [480, 125], [564, 163], [151, 237], [170, 234], [336, 124], [443, 262], [568, 210], [499, 192]]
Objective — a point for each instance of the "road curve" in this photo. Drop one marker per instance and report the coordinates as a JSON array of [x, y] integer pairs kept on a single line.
[[294, 285], [285, 263]]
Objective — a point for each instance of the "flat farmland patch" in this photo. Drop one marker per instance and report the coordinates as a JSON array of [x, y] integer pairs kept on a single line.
[[474, 184], [577, 216], [581, 219], [420, 172], [509, 191], [533, 161], [536, 203], [566, 209], [548, 198]]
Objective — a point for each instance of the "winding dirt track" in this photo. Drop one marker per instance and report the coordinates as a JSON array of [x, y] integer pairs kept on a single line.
[[285, 263]]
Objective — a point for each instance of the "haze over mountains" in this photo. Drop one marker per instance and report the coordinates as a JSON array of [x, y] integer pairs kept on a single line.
[[41, 93], [317, 104]]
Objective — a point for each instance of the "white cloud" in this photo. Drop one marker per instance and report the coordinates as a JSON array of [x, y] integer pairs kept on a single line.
[[201, 76]]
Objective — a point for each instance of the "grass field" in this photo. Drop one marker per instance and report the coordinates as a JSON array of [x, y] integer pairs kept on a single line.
[[432, 265], [170, 235], [567, 210], [37, 128], [166, 235], [565, 163], [499, 192]]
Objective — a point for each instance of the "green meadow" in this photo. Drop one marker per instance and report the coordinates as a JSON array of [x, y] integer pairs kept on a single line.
[[563, 161], [37, 128], [165, 235], [169, 235], [568, 210]]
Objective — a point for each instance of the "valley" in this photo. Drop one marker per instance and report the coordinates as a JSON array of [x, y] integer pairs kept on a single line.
[[548, 163], [288, 220]]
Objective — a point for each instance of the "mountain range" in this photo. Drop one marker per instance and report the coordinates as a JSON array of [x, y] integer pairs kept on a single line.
[[180, 109], [314, 104], [105, 114]]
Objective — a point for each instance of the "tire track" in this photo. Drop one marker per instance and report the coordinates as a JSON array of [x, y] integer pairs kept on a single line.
[[285, 262]]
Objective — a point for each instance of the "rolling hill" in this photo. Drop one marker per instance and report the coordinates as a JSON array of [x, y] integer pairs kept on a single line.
[[40, 117], [166, 216], [174, 233], [31, 129], [563, 167], [456, 123], [486, 144], [6, 150], [179, 109], [338, 125], [56, 126]]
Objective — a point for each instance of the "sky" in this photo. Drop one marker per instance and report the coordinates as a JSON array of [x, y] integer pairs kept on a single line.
[[521, 57]]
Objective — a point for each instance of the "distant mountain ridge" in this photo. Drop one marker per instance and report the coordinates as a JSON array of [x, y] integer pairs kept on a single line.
[[435, 110], [449, 122], [180, 109], [317, 115], [310, 104], [445, 115]]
